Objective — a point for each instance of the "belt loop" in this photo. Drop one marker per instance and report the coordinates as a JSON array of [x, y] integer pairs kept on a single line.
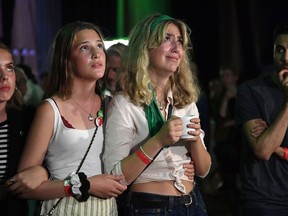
[[194, 197], [171, 203]]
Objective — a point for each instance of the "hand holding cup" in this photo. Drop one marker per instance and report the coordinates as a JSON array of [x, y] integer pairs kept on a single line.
[[187, 128]]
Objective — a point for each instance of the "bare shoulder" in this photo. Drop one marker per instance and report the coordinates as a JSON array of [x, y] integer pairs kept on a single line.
[[44, 109]]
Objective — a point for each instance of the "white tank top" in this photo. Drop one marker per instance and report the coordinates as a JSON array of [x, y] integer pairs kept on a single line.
[[68, 146]]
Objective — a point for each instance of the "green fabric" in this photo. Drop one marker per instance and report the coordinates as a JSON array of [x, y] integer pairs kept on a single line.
[[159, 20], [154, 117]]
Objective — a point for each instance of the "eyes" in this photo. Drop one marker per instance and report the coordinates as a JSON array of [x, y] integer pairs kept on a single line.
[[88, 47], [171, 38], [7, 69], [280, 49], [10, 68]]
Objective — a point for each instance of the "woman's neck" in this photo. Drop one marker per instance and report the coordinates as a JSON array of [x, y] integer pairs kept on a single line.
[[3, 113]]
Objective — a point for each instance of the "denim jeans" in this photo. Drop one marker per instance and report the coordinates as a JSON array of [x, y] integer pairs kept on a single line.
[[197, 208]]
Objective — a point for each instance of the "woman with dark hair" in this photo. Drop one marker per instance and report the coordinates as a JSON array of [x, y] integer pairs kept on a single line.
[[15, 120]]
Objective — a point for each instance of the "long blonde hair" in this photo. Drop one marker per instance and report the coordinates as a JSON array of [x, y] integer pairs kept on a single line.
[[134, 80]]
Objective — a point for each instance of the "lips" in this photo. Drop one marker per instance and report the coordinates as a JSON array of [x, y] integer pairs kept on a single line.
[[174, 58], [5, 88], [97, 64]]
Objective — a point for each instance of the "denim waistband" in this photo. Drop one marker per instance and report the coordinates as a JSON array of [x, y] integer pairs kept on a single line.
[[149, 200]]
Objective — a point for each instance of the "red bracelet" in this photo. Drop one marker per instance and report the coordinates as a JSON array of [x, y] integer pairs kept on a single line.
[[143, 157], [285, 156], [67, 188]]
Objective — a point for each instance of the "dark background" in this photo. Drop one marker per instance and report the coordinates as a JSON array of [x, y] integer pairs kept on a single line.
[[223, 31]]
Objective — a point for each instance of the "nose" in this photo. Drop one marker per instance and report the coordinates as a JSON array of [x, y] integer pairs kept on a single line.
[[95, 53], [3, 75], [175, 47]]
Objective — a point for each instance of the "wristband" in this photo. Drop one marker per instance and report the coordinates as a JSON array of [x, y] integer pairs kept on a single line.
[[145, 154], [285, 156], [77, 185], [85, 186], [143, 157], [67, 188]]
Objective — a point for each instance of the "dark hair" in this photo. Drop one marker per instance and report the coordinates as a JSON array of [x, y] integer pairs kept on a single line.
[[60, 78], [281, 28], [29, 73], [16, 101]]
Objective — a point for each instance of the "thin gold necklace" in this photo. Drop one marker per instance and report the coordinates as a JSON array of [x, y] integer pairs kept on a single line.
[[90, 116], [160, 105]]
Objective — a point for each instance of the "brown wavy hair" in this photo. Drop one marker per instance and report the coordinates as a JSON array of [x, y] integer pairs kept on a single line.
[[60, 78]]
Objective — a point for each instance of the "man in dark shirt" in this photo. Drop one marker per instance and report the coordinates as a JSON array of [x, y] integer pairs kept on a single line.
[[263, 171]]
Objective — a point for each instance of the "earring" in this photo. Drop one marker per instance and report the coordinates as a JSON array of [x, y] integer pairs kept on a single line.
[[178, 71]]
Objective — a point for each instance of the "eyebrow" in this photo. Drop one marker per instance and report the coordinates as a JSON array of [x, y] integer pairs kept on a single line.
[[10, 63], [171, 34], [86, 42], [279, 46]]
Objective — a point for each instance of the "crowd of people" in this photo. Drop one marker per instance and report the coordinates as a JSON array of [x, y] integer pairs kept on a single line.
[[103, 134]]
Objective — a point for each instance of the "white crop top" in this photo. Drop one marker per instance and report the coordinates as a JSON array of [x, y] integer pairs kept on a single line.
[[127, 129], [68, 146]]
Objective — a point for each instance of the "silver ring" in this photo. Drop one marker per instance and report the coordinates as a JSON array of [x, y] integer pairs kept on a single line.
[[12, 180]]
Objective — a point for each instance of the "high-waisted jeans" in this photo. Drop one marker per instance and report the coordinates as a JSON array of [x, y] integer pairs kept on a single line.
[[147, 204]]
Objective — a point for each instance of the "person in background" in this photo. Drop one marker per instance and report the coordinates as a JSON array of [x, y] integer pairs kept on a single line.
[[34, 94], [142, 141], [21, 80], [67, 133], [228, 137], [15, 120], [114, 61], [263, 167], [43, 78]]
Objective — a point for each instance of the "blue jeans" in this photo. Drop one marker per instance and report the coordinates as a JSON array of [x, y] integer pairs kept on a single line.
[[133, 208]]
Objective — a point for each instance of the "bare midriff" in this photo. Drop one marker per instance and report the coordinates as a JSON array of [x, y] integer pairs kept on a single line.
[[163, 188]]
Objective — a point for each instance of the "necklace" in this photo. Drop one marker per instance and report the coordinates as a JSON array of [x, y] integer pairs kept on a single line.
[[90, 116], [161, 106]]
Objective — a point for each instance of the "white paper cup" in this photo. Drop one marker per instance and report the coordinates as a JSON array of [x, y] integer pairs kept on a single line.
[[186, 120]]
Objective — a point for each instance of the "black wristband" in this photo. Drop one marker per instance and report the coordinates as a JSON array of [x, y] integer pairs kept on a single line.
[[85, 186]]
